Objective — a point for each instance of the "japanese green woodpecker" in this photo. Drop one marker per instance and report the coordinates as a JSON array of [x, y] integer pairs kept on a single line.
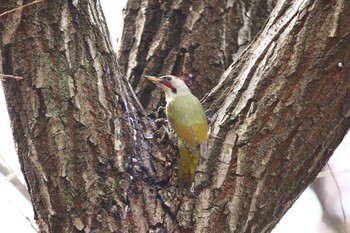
[[186, 115]]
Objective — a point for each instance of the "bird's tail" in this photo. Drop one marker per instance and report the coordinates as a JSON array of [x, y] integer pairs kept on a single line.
[[187, 166]]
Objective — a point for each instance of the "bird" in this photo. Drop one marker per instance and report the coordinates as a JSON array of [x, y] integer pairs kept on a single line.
[[186, 115]]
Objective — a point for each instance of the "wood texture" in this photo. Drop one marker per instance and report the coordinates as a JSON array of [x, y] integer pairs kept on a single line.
[[205, 37], [94, 162]]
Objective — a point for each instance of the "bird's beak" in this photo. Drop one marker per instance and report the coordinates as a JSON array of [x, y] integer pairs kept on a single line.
[[152, 78]]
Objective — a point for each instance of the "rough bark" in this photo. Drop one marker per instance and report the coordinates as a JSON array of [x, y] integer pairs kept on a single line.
[[205, 37], [80, 134], [282, 114], [94, 163]]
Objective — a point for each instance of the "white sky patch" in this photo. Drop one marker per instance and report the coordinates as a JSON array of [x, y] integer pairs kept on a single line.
[[14, 206], [112, 10]]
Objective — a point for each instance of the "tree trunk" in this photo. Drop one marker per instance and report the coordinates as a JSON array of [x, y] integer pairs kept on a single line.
[[205, 37], [94, 162], [79, 131]]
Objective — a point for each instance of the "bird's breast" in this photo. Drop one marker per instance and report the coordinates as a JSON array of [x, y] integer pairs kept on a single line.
[[187, 117]]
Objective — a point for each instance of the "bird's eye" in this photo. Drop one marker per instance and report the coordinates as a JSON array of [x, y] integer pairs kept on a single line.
[[167, 78]]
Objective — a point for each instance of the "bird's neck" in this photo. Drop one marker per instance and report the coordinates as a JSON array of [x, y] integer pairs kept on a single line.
[[172, 97]]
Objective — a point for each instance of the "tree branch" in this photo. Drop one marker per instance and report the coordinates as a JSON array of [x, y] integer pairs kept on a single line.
[[20, 8]]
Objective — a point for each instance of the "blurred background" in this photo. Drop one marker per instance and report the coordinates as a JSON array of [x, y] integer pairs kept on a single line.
[[322, 208]]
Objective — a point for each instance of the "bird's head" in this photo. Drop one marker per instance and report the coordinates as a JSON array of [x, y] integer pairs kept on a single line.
[[172, 85]]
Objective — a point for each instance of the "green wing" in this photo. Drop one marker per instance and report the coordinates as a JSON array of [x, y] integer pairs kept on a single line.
[[187, 117]]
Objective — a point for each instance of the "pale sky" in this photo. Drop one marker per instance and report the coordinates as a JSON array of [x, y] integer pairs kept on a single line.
[[303, 217], [113, 14]]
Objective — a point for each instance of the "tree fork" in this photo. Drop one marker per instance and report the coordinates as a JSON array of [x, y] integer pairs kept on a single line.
[[204, 37], [94, 162]]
